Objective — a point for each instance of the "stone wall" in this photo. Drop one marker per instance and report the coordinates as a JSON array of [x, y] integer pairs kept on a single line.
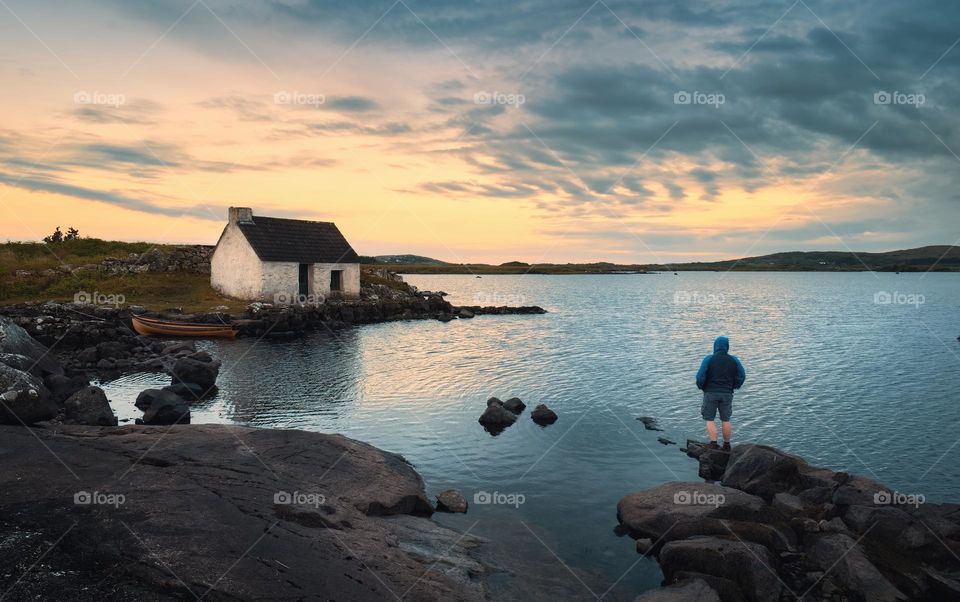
[[194, 259]]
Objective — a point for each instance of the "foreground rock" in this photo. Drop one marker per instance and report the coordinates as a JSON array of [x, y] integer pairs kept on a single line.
[[89, 406], [452, 501], [23, 398], [162, 407], [15, 341], [220, 512], [197, 371], [778, 524]]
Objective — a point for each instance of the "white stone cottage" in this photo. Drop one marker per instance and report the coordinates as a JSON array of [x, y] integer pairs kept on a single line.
[[280, 260]]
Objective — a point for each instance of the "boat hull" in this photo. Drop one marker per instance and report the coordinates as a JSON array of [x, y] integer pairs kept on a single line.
[[153, 327]]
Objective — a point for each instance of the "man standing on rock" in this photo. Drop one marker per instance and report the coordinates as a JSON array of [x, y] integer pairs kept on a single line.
[[719, 375]]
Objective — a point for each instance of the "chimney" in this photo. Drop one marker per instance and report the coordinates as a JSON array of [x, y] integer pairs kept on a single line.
[[240, 215]]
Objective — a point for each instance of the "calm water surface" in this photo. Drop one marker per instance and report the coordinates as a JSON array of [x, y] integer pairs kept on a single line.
[[872, 388]]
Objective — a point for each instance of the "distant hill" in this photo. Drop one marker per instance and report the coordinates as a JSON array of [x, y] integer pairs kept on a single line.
[[408, 260], [938, 257]]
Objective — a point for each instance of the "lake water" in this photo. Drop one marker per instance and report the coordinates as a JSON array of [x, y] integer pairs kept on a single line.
[[834, 373]]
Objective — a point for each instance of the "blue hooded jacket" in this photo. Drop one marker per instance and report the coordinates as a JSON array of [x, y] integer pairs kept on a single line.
[[720, 372]]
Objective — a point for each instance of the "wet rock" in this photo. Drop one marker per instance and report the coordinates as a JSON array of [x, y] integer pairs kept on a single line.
[[198, 369], [665, 441], [649, 423], [20, 362], [89, 406], [747, 564], [189, 391], [163, 407], [25, 399], [850, 568], [494, 401], [451, 501], [496, 418], [514, 405], [644, 545], [763, 470], [465, 313], [543, 415], [688, 590]]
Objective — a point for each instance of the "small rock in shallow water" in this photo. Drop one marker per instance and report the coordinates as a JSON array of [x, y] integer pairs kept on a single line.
[[543, 415], [495, 418], [644, 545], [649, 423], [453, 501], [666, 441], [494, 400], [515, 405]]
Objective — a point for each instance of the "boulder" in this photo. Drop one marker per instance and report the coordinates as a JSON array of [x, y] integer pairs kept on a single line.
[[688, 590], [465, 314], [496, 418], [20, 362], [649, 423], [494, 401], [515, 405], [543, 415], [763, 470], [788, 505], [679, 510], [196, 369], [163, 407], [189, 391], [62, 387], [850, 569], [16, 341], [751, 566], [453, 501], [23, 398], [89, 406]]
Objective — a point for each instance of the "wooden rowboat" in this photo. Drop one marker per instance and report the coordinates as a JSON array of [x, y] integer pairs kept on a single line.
[[146, 326]]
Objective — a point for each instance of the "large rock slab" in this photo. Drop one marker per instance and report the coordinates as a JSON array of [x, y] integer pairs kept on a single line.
[[849, 567], [679, 510], [765, 471], [17, 341], [751, 566], [220, 512], [163, 407], [691, 590]]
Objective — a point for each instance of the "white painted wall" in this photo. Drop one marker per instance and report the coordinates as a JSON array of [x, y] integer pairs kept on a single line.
[[350, 279], [235, 269]]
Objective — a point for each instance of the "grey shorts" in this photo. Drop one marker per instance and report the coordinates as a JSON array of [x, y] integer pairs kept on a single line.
[[717, 401]]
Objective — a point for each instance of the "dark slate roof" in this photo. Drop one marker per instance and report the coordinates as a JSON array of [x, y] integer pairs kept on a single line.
[[298, 241]]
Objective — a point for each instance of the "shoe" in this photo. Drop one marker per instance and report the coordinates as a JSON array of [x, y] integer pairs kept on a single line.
[[712, 445], [726, 446]]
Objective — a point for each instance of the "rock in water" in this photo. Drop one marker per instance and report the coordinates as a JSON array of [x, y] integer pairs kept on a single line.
[[62, 387], [687, 590], [25, 400], [744, 562], [543, 415], [494, 401], [665, 441], [16, 340], [515, 405], [163, 407], [496, 418], [89, 406], [198, 369], [451, 500], [649, 423]]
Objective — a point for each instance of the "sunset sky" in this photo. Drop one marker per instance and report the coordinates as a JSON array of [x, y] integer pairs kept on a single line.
[[539, 130]]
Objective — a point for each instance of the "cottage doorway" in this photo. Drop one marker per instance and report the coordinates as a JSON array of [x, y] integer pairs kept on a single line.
[[304, 280]]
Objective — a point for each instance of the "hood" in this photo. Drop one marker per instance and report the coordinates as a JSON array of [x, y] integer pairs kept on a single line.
[[721, 345]]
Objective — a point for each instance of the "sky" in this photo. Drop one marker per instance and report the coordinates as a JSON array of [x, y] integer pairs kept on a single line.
[[539, 130]]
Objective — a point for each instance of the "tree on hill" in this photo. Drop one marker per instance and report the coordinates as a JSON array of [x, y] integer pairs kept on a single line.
[[58, 236]]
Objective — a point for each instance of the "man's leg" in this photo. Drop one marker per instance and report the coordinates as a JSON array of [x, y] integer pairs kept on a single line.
[[712, 431], [727, 431], [726, 413]]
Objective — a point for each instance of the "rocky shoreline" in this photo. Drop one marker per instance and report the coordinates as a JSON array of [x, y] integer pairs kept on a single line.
[[776, 528]]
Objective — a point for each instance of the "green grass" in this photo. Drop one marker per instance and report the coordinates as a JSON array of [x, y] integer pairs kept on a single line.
[[40, 256]]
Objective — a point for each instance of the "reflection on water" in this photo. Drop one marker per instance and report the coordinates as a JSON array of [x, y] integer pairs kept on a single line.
[[831, 375]]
